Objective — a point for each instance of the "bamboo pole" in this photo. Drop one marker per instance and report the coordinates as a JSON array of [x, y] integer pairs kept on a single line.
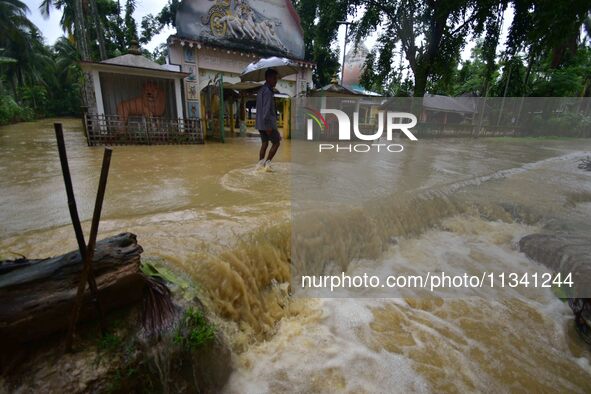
[[87, 273], [86, 253]]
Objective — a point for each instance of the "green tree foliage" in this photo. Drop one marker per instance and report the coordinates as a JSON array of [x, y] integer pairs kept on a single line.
[[152, 24], [35, 80], [111, 25], [130, 24], [546, 26], [417, 51], [319, 19], [377, 76], [16, 33], [427, 37], [472, 76], [511, 81], [160, 53], [67, 8], [430, 34], [572, 78], [66, 92], [510, 77]]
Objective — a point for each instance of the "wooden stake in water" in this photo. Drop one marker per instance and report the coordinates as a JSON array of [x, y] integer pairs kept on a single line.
[[86, 253]]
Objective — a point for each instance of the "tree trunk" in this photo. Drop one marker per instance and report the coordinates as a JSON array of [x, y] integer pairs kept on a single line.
[[37, 296], [530, 65], [80, 30], [99, 29], [420, 83]]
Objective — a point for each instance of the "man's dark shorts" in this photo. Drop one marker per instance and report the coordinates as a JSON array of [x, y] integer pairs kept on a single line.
[[275, 137]]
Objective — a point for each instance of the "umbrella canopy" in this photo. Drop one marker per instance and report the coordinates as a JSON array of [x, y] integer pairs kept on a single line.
[[245, 85], [256, 71]]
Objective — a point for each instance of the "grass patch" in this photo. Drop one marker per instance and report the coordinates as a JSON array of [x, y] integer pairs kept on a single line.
[[194, 330], [110, 343]]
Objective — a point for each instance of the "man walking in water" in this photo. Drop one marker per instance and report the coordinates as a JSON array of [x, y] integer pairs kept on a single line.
[[266, 120]]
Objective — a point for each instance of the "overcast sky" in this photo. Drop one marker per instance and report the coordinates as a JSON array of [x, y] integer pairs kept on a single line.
[[51, 29]]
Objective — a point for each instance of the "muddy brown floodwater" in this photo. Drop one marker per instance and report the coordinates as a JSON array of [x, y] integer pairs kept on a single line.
[[207, 212]]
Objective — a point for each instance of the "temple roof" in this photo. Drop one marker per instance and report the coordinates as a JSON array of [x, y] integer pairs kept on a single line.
[[131, 60], [133, 64]]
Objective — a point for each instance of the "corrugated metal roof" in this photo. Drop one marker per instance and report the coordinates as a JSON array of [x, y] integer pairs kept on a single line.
[[449, 104], [133, 65], [335, 89], [361, 90], [134, 61]]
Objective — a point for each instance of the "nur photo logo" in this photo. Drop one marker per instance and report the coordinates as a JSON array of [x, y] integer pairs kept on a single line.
[[389, 121], [317, 117]]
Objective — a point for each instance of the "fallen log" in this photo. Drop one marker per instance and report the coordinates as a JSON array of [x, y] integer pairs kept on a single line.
[[37, 296]]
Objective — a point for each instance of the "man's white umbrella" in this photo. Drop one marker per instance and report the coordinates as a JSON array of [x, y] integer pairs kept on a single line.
[[256, 71]]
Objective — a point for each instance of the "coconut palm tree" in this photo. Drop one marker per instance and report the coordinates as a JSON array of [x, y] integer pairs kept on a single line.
[[68, 14], [21, 41], [67, 61], [69, 77], [13, 20], [98, 26], [73, 21]]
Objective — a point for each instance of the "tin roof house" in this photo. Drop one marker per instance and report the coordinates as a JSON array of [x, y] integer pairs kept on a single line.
[[136, 101], [447, 109]]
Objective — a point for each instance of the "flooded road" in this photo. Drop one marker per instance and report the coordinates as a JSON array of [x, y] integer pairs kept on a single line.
[[452, 204], [179, 195]]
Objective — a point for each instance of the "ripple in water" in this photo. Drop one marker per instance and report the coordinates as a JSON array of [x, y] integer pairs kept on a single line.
[[251, 181]]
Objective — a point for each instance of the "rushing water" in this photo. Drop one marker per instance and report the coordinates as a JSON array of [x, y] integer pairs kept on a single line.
[[203, 209]]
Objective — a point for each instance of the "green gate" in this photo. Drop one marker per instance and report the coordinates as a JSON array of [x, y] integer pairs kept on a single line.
[[215, 124]]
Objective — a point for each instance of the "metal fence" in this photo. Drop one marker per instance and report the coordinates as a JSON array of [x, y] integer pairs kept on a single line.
[[113, 130]]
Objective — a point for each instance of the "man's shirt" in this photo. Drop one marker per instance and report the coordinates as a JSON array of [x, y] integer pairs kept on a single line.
[[266, 113]]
